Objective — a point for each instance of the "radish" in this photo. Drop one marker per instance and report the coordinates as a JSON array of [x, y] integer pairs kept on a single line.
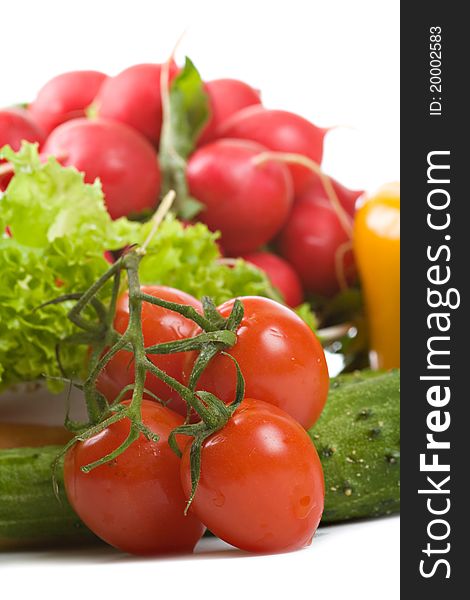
[[248, 203], [133, 97], [121, 158], [318, 246], [16, 125], [347, 198], [65, 97], [281, 131], [226, 97], [281, 274]]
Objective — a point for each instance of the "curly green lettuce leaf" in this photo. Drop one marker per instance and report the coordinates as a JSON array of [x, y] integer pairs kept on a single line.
[[306, 313], [55, 230]]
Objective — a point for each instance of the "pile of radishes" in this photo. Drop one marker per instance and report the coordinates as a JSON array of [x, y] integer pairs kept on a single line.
[[246, 169]]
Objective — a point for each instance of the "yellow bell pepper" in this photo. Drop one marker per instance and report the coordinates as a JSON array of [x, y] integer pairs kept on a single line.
[[376, 242]]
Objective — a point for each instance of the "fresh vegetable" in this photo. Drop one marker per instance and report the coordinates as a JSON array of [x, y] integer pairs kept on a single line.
[[15, 126], [354, 454], [158, 325], [133, 97], [13, 435], [248, 203], [30, 515], [316, 243], [281, 131], [281, 274], [261, 485], [358, 441], [135, 502], [347, 198], [65, 97], [125, 163], [219, 335], [185, 107], [377, 250], [280, 357], [226, 97], [60, 231]]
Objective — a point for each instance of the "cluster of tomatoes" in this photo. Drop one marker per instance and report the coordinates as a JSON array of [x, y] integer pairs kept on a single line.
[[252, 204], [261, 484]]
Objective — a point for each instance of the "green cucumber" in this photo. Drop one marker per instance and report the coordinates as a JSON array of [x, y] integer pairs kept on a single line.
[[358, 440], [30, 514]]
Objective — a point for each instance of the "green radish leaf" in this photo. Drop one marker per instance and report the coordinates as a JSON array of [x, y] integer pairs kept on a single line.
[[189, 109], [185, 112]]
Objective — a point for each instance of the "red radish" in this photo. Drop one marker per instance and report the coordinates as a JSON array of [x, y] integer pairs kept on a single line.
[[16, 125], [248, 203], [282, 275], [281, 131], [226, 97], [317, 245], [133, 97], [347, 198], [122, 159], [65, 97]]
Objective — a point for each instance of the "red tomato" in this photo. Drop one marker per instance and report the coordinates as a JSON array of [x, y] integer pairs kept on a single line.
[[248, 203], [312, 241], [136, 501], [261, 486], [281, 274], [282, 361], [65, 97], [158, 325], [280, 131], [226, 97], [133, 97], [123, 160]]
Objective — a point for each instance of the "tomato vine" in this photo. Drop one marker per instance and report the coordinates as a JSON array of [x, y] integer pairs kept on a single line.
[[218, 334]]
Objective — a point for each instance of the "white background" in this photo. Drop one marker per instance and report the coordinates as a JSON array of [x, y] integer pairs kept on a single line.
[[334, 62]]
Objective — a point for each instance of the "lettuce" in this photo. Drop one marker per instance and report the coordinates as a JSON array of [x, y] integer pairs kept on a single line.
[[54, 230]]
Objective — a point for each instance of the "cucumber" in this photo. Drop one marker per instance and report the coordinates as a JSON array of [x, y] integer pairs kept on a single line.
[[30, 514], [358, 440]]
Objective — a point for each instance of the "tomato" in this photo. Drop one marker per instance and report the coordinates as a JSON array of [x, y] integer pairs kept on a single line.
[[281, 274], [281, 131], [261, 487], [65, 97], [136, 501], [316, 244], [248, 203], [158, 325], [123, 160], [281, 359]]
